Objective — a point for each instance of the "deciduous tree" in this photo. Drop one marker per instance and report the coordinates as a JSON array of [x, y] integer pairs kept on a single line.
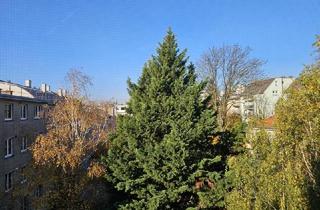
[[65, 157], [283, 172], [227, 68]]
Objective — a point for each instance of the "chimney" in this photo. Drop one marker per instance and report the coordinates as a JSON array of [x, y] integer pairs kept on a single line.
[[43, 87], [64, 92], [59, 92], [27, 83], [47, 88]]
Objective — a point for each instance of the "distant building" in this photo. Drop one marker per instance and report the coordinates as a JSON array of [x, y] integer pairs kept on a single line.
[[259, 98], [22, 114], [121, 109]]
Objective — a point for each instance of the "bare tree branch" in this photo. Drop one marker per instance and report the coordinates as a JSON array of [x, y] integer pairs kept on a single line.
[[78, 82], [225, 69]]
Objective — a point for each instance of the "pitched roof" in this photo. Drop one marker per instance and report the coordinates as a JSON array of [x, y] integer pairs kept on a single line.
[[21, 98], [36, 93], [257, 87], [296, 84], [267, 123]]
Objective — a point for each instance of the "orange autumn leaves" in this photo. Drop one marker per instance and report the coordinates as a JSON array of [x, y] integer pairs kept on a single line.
[[75, 129], [66, 157]]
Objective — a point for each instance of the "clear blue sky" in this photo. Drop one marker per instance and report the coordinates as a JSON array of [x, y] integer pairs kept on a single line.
[[111, 40]]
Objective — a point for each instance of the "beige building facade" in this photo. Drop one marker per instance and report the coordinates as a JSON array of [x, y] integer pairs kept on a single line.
[[22, 118]]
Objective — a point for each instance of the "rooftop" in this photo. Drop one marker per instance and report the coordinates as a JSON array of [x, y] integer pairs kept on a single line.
[[14, 91], [257, 87], [267, 123]]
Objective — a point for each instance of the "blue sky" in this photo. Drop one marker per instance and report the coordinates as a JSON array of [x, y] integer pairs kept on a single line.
[[111, 40]]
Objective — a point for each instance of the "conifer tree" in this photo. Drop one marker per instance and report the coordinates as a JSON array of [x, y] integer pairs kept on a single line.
[[162, 153]]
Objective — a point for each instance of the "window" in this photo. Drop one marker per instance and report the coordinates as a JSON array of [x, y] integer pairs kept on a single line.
[[24, 111], [24, 144], [8, 147], [8, 111], [23, 175], [37, 111], [39, 191], [24, 203], [8, 181]]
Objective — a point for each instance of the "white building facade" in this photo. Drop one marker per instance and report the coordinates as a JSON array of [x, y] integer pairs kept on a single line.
[[121, 109], [260, 97]]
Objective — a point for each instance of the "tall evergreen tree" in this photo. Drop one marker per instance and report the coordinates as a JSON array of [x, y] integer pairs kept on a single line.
[[162, 153]]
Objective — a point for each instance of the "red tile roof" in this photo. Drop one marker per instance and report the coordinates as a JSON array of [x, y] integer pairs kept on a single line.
[[267, 123]]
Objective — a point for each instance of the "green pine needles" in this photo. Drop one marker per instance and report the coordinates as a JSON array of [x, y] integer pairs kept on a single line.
[[161, 154]]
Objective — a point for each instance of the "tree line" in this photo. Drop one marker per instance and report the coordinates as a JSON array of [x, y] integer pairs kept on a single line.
[[177, 147]]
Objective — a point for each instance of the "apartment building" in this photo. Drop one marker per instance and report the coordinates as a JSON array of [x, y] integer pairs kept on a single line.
[[22, 115], [260, 97]]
